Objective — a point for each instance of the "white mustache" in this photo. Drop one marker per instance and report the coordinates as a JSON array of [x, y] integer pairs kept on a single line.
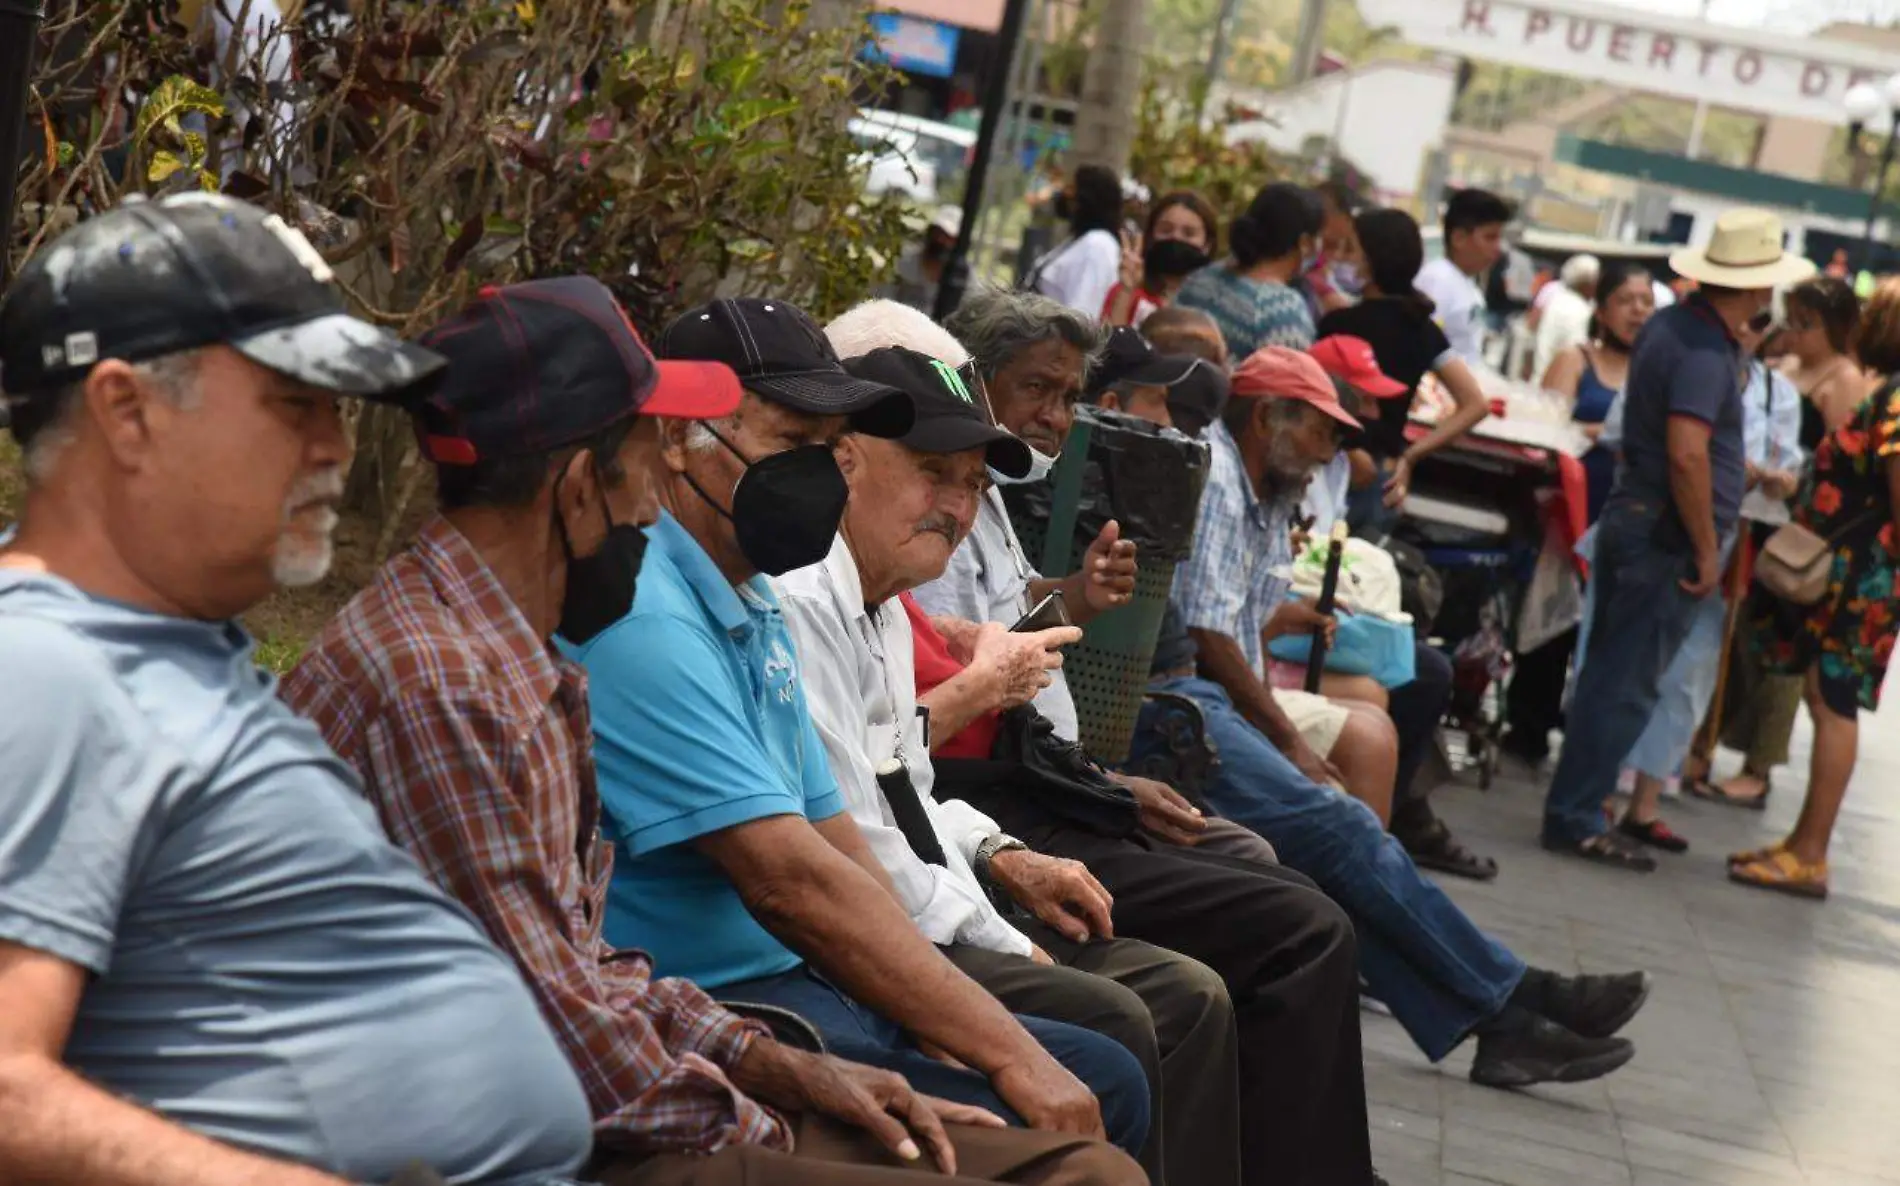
[[946, 527], [324, 486]]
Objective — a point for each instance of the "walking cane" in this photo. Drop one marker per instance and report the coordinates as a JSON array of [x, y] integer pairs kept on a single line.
[[1328, 589], [1738, 579]]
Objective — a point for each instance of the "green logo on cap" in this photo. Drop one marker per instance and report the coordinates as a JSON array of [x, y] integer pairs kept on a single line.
[[952, 380]]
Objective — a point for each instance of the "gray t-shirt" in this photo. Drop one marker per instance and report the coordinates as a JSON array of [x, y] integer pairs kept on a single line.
[[1685, 363], [267, 969]]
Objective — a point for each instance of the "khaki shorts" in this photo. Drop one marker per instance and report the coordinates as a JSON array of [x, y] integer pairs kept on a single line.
[[1318, 721]]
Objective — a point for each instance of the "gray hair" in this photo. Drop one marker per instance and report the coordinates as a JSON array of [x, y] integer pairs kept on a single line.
[[998, 325], [175, 376], [1580, 270]]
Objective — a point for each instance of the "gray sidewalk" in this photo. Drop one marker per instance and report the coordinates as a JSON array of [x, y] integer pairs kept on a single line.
[[1769, 1054]]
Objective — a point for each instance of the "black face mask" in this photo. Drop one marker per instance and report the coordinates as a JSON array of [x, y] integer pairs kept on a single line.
[[786, 507], [600, 587], [1171, 258]]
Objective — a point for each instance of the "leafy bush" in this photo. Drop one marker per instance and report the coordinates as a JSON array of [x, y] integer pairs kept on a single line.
[[674, 150], [1177, 149]]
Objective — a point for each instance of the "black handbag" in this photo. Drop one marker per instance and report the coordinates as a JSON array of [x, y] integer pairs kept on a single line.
[[1030, 764]]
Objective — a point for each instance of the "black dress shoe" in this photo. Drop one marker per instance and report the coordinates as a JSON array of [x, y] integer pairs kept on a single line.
[[1588, 1006], [1520, 1049]]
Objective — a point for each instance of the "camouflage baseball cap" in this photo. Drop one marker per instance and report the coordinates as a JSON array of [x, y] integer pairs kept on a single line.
[[153, 278]]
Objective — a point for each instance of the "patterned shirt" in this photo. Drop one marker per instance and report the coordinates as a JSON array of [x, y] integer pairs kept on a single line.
[[1240, 570], [470, 735], [1251, 313]]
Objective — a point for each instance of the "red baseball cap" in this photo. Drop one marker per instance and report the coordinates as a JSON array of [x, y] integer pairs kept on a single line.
[[1275, 372], [1351, 359]]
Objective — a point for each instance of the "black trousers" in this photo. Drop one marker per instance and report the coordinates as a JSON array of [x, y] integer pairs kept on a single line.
[[1534, 699], [1172, 1014], [1416, 709], [1290, 962]]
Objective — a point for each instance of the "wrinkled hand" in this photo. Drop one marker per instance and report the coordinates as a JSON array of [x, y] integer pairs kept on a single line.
[[1049, 1098], [1779, 483], [1314, 766], [1399, 484], [1017, 666], [960, 635], [1109, 570], [1299, 617], [1062, 893], [1131, 264], [879, 1102], [1708, 575], [1165, 812]]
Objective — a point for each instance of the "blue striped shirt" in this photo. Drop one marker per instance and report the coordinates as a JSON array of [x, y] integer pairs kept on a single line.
[[1243, 550]]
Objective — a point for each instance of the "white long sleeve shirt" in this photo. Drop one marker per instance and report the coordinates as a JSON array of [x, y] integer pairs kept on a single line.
[[860, 675]]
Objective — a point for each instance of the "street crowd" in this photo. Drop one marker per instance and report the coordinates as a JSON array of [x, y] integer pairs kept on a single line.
[[698, 797]]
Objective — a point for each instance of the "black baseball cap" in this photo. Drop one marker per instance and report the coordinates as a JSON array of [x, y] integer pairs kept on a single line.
[[149, 279], [949, 418], [1197, 400], [538, 366], [780, 353], [1129, 358]]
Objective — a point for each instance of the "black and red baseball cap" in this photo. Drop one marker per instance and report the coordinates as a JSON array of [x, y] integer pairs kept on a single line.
[[541, 365], [1351, 359]]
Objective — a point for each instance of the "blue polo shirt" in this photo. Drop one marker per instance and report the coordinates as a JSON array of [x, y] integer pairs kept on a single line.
[[1685, 363], [700, 725]]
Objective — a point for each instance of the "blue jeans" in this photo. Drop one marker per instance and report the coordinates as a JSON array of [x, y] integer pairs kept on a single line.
[[1687, 687], [854, 1032], [1438, 973], [1640, 617]]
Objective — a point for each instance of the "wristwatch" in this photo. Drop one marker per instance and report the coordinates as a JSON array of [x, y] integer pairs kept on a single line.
[[986, 852]]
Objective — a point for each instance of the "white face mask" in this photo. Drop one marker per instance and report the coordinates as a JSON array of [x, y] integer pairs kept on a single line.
[[1039, 466]]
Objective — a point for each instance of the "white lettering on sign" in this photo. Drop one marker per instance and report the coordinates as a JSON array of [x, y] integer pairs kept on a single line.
[[1802, 77]]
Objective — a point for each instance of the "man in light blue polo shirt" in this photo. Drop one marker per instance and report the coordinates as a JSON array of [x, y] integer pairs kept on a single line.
[[735, 862], [215, 967], [700, 726]]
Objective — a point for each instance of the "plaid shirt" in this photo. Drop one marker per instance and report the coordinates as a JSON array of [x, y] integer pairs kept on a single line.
[[1243, 549], [469, 733]]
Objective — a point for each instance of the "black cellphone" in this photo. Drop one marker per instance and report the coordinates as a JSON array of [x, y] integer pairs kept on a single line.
[[1759, 323], [1047, 615]]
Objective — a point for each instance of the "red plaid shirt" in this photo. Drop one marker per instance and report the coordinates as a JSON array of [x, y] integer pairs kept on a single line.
[[469, 733]]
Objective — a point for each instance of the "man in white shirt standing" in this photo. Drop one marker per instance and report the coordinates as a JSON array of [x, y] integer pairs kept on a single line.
[[1474, 242], [1565, 321]]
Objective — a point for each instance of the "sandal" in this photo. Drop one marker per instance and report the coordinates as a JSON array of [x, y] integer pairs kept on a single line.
[[1654, 833], [1716, 792], [1437, 849], [1754, 855], [1611, 848], [1784, 873]]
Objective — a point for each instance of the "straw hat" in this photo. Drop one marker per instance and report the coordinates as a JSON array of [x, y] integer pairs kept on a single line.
[[1744, 252]]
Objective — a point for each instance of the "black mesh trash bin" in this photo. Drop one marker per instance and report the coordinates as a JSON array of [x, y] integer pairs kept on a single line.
[[1148, 480]]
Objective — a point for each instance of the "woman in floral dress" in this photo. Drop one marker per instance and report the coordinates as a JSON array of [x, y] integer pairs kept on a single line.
[[1841, 643]]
